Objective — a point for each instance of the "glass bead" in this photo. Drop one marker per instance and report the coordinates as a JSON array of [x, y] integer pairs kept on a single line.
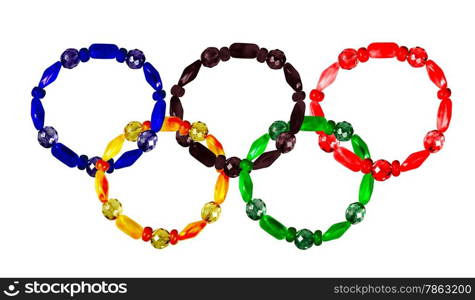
[[434, 141], [129, 227], [176, 109], [174, 237], [266, 159], [159, 95], [38, 92], [444, 115], [111, 209], [436, 74], [221, 188], [444, 93], [381, 170], [355, 213], [82, 162], [183, 140], [246, 165], [348, 59], [210, 57], [258, 146], [414, 160], [330, 128], [316, 95], [366, 189], [327, 77], [402, 52], [297, 117], [383, 50], [177, 90], [65, 155], [256, 209], [245, 185], [292, 77], [160, 238], [37, 114], [189, 73], [316, 109], [291, 233], [132, 131], [50, 74], [120, 55], [311, 123], [185, 127], [366, 165], [417, 57], [277, 128], [220, 161], [336, 231], [111, 166], [114, 147], [328, 143], [70, 58], [304, 239], [191, 230], [102, 165], [276, 59], [211, 212], [147, 234], [214, 145], [102, 186], [273, 227], [262, 55], [198, 131], [224, 53], [171, 124], [47, 137], [103, 51], [135, 59], [147, 141], [232, 167], [285, 142], [359, 147], [84, 55], [152, 76], [158, 115], [343, 131], [243, 50], [298, 96], [146, 125], [202, 154], [317, 237], [363, 54], [91, 166], [396, 167], [128, 158], [347, 158]]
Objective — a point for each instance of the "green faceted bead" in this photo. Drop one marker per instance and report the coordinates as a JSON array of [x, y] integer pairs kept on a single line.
[[255, 209], [366, 188], [277, 128], [291, 233], [258, 147], [273, 227], [311, 123], [318, 238], [245, 185], [246, 165], [359, 147], [336, 231], [329, 127], [304, 239], [343, 131], [355, 213]]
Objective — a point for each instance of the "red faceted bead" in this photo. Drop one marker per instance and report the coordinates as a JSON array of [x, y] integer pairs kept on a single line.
[[174, 237], [147, 234], [402, 52], [414, 160], [383, 50], [367, 165], [347, 158], [436, 74], [417, 57], [363, 54], [396, 168], [102, 165], [316, 109], [434, 141], [348, 59], [328, 76], [444, 115], [444, 93], [316, 95], [327, 143], [381, 170]]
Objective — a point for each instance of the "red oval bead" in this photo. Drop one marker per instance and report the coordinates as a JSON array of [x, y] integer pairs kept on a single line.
[[383, 50], [316, 109], [381, 170], [328, 143], [328, 76], [434, 141], [414, 160], [348, 59], [316, 95], [402, 52], [363, 54], [396, 168], [436, 74], [347, 158], [444, 115], [444, 93], [367, 165], [147, 234], [417, 57], [174, 237]]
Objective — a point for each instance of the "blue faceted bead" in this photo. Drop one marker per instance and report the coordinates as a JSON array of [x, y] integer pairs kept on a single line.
[[152, 76], [111, 166], [50, 75], [70, 58], [135, 59], [37, 113], [91, 166], [38, 92], [158, 115], [84, 54], [103, 51], [159, 95], [82, 162], [47, 137], [65, 155], [147, 141], [128, 158], [121, 54]]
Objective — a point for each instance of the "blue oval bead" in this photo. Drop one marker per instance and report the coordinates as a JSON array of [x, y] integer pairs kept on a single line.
[[121, 54], [103, 51], [152, 76], [128, 158], [82, 162], [50, 74], [84, 54], [38, 92], [159, 95], [37, 113], [158, 115], [65, 155]]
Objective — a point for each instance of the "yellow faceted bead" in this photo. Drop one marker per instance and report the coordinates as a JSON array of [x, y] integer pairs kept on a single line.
[[132, 131], [210, 212], [171, 124], [113, 148], [214, 145], [221, 188], [160, 238], [198, 131], [129, 226], [102, 186], [112, 209]]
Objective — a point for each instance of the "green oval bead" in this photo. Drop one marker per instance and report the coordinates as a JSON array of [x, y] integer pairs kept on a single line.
[[330, 127], [246, 165], [317, 237], [255, 209], [366, 189], [277, 128], [355, 213], [245, 185], [273, 227], [343, 131], [291, 233], [359, 147], [312, 123], [304, 239], [258, 147], [336, 230]]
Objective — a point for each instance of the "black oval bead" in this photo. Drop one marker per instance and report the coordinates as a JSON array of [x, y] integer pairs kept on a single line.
[[285, 142], [189, 73], [231, 167], [220, 161], [176, 109], [183, 140], [276, 59], [243, 50], [266, 159], [210, 57], [224, 54], [297, 116], [202, 154], [298, 96], [177, 91], [261, 55], [292, 77]]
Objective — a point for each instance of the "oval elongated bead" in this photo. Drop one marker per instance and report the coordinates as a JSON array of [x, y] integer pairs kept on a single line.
[[292, 77], [444, 115], [347, 158], [65, 155], [436, 74], [102, 186], [316, 109], [202, 154], [114, 147], [273, 227], [171, 124], [176, 109], [414, 160], [37, 113], [383, 50], [50, 74], [152, 76], [366, 189], [192, 230], [128, 158], [158, 115], [103, 51], [312, 123], [245, 186], [214, 145], [336, 231], [266, 159], [258, 147], [243, 50], [221, 188], [359, 147], [296, 117], [190, 73], [328, 76], [129, 227]]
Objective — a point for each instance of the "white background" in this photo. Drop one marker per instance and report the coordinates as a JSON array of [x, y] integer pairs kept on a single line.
[[419, 224]]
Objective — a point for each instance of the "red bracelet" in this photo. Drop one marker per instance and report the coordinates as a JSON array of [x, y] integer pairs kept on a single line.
[[433, 141]]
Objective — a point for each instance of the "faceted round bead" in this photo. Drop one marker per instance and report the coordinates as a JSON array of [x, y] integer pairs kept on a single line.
[[328, 143], [91, 166], [135, 59], [417, 57], [183, 140], [285, 142], [132, 131], [355, 213], [70, 58], [381, 170], [47, 137], [160, 238], [198, 131], [277, 128], [316, 95], [210, 57], [275, 59], [396, 168], [147, 140], [255, 209], [367, 165], [348, 59], [317, 237], [246, 165], [343, 131], [444, 93], [111, 209], [304, 239], [363, 55], [232, 167], [291, 233], [401, 53], [262, 55], [211, 212], [434, 141], [147, 234]]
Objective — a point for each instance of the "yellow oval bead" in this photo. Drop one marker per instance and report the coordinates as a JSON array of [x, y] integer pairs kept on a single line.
[[132, 131], [214, 145], [113, 148], [129, 226], [102, 186], [198, 131], [112, 209], [210, 212], [221, 188], [171, 124], [160, 238]]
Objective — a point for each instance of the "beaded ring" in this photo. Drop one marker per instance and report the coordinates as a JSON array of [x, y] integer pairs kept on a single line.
[[284, 134], [434, 140], [303, 239], [70, 58], [160, 238]]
